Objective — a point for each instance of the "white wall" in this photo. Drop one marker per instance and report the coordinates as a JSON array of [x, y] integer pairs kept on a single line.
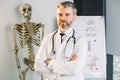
[[113, 26], [43, 11]]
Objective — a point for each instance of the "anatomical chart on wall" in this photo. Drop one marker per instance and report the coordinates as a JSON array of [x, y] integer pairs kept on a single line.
[[93, 27]]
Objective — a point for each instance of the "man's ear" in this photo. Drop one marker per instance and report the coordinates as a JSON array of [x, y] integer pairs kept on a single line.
[[75, 17]]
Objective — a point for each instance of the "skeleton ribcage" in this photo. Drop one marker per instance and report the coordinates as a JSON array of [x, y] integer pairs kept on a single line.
[[29, 33]]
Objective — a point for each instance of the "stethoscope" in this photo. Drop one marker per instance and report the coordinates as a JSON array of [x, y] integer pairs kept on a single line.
[[53, 42]]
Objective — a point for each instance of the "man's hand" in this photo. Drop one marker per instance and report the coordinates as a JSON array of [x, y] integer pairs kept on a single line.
[[74, 57], [47, 61]]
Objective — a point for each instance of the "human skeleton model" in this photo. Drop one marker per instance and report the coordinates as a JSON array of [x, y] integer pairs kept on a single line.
[[29, 34]]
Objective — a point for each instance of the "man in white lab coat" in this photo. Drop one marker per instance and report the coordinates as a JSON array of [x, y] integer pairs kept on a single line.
[[62, 54]]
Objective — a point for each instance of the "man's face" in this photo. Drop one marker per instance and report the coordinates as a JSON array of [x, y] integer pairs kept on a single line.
[[65, 17]]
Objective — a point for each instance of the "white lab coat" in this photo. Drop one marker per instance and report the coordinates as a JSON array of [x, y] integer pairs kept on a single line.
[[60, 68]]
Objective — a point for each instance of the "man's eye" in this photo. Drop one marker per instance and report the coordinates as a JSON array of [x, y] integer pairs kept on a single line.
[[67, 14], [60, 14]]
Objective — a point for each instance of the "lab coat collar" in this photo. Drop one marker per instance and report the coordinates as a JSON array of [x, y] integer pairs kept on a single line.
[[67, 33]]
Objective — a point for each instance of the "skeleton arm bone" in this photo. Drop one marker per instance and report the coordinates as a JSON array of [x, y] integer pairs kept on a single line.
[[42, 30], [15, 47], [14, 38]]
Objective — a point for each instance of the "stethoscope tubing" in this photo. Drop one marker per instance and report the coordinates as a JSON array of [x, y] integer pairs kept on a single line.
[[53, 43]]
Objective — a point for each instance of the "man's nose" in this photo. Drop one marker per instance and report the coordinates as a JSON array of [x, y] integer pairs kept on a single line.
[[63, 18]]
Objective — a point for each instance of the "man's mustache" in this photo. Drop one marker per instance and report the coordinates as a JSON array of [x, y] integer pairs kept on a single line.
[[63, 21]]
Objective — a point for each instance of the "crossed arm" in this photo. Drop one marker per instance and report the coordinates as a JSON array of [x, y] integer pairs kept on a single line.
[[74, 57], [71, 67]]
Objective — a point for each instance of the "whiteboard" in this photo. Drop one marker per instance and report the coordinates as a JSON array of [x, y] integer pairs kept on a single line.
[[93, 27]]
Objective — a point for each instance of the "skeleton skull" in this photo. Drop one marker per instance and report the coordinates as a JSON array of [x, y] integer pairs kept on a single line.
[[26, 10]]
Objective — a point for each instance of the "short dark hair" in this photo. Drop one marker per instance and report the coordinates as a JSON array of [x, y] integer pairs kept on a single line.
[[66, 4]]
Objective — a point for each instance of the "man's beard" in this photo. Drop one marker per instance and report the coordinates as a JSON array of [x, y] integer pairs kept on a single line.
[[64, 24]]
